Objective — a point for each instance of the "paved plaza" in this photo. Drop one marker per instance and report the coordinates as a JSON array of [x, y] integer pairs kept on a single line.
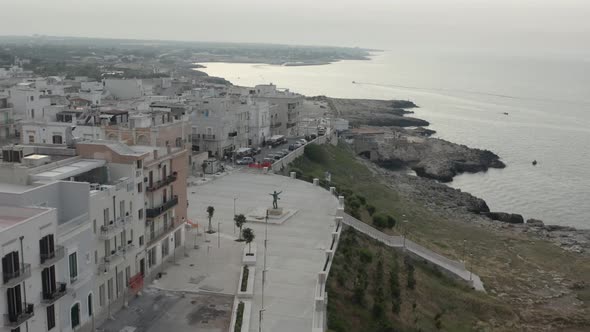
[[208, 267]]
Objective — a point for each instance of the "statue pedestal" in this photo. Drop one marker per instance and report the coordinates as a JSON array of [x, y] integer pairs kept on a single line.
[[275, 216], [275, 212]]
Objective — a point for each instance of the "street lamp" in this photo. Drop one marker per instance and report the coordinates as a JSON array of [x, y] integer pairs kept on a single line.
[[464, 247], [235, 198]]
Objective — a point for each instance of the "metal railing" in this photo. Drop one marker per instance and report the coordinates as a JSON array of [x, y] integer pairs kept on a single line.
[[208, 137], [110, 230], [49, 258], [12, 278], [161, 183], [59, 291], [16, 319], [156, 211]]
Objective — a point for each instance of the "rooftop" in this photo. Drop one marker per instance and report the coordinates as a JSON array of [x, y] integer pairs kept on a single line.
[[66, 171], [12, 215]]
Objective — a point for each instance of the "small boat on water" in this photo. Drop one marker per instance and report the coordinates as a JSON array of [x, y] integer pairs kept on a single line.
[[353, 82], [534, 162], [505, 113]]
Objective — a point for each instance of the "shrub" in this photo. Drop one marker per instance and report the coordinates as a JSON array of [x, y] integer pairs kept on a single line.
[[353, 203], [378, 309], [239, 317], [314, 153], [361, 199], [380, 221], [371, 209], [390, 222], [365, 255], [244, 285]]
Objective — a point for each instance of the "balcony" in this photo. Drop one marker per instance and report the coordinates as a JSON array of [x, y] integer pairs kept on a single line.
[[162, 183], [50, 258], [209, 137], [15, 277], [276, 124], [56, 294], [160, 233], [116, 257], [114, 228], [154, 212], [291, 124], [15, 320]]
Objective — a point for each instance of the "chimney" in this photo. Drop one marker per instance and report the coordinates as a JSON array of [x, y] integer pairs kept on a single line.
[[155, 154]]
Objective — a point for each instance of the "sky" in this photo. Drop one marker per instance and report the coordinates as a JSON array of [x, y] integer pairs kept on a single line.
[[385, 24]]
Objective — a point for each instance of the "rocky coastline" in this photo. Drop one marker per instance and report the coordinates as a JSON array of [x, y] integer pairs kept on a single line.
[[396, 149]]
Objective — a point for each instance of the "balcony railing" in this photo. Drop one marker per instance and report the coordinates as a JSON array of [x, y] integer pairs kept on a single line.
[[209, 137], [276, 124], [50, 297], [154, 212], [291, 124], [15, 320], [115, 257], [115, 227], [49, 258], [14, 277], [159, 184], [159, 234]]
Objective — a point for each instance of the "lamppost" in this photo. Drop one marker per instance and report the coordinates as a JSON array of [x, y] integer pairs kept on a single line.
[[263, 272], [235, 198], [464, 247]]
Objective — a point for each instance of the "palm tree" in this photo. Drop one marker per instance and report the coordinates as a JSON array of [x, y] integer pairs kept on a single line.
[[248, 237], [210, 212], [240, 220]]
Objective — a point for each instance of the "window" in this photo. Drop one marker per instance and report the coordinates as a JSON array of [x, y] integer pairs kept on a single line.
[[57, 139], [47, 247], [10, 266], [101, 295], [50, 317], [165, 248], [73, 259], [32, 114], [105, 213], [120, 286], [139, 163], [75, 315], [140, 214], [94, 226], [32, 98], [110, 289], [139, 187], [31, 139], [95, 257], [141, 240], [90, 305]]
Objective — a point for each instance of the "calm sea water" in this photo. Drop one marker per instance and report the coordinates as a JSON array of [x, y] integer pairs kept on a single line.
[[464, 97]]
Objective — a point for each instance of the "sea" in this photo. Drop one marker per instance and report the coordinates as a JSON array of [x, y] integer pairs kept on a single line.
[[522, 107]]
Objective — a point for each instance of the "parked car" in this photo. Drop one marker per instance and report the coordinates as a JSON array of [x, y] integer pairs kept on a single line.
[[285, 152], [297, 145], [257, 150], [278, 156], [314, 136], [302, 141], [245, 161], [292, 147], [268, 160]]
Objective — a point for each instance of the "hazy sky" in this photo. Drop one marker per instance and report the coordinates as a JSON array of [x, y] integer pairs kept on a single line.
[[496, 24]]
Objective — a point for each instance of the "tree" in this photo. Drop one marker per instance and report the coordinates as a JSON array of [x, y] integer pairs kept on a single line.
[[248, 235], [210, 212], [240, 220]]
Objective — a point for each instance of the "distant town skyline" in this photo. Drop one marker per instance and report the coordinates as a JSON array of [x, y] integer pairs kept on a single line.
[[479, 24]]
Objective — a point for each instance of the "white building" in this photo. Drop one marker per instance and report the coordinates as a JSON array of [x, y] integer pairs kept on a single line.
[[124, 88]]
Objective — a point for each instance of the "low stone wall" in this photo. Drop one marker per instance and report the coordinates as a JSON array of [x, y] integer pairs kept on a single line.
[[329, 138]]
